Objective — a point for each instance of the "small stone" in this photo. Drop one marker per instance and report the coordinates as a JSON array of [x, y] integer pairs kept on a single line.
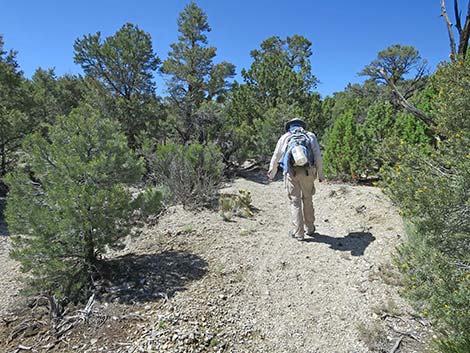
[[208, 338], [361, 209]]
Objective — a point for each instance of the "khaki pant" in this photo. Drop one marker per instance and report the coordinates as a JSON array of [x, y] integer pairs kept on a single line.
[[300, 188]]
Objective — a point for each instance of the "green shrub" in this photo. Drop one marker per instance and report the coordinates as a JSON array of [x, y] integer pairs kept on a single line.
[[342, 156], [407, 132], [377, 127], [256, 138], [433, 191], [410, 130], [235, 205], [358, 150], [191, 173], [76, 207]]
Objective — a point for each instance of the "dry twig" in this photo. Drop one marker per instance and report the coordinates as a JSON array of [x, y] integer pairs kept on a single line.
[[396, 345], [453, 53]]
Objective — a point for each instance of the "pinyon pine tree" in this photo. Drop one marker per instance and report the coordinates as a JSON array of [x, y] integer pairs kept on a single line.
[[120, 74], [14, 121], [343, 149], [194, 77], [69, 204], [277, 87]]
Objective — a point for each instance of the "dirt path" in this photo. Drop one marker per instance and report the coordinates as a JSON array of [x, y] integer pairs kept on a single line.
[[310, 296], [245, 286], [266, 292], [9, 269]]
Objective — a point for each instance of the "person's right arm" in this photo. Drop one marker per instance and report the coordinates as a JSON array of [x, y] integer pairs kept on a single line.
[[276, 157]]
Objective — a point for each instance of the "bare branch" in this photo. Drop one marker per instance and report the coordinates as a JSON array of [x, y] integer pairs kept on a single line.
[[464, 34], [441, 171], [24, 348], [85, 313], [396, 345], [406, 105], [461, 266], [457, 14], [418, 82], [453, 53]]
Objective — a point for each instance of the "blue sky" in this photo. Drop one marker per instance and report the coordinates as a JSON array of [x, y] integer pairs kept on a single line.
[[346, 34]]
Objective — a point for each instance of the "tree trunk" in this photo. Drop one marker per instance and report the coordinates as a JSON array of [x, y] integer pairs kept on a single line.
[[464, 33], [90, 255], [449, 30]]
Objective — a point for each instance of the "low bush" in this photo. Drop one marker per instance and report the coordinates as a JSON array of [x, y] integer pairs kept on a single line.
[[72, 203], [192, 173], [235, 205], [433, 192]]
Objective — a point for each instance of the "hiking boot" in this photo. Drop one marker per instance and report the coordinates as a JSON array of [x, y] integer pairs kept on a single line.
[[292, 235], [311, 233]]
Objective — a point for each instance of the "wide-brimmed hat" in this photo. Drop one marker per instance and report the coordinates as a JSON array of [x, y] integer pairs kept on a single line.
[[295, 121]]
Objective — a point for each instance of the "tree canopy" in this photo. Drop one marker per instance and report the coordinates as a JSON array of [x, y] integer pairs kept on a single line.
[[14, 104], [194, 77], [124, 64]]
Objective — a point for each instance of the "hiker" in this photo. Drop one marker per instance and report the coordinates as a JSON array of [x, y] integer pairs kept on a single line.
[[298, 154]]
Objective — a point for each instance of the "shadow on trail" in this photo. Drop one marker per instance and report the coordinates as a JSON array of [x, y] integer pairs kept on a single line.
[[355, 242], [148, 277], [256, 175]]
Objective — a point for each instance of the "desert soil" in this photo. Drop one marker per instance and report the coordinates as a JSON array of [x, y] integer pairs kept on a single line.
[[198, 283]]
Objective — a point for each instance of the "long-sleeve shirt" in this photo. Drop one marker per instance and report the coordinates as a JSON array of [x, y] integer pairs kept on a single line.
[[281, 147]]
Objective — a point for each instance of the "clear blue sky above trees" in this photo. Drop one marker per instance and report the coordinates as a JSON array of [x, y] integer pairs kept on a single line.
[[346, 35]]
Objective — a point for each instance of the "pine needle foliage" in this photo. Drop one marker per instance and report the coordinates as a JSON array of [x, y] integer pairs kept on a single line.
[[433, 191], [70, 203]]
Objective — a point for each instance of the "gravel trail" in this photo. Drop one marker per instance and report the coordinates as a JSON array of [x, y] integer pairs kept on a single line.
[[244, 285]]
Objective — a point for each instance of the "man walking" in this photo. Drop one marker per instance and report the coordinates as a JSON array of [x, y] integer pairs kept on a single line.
[[298, 154]]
